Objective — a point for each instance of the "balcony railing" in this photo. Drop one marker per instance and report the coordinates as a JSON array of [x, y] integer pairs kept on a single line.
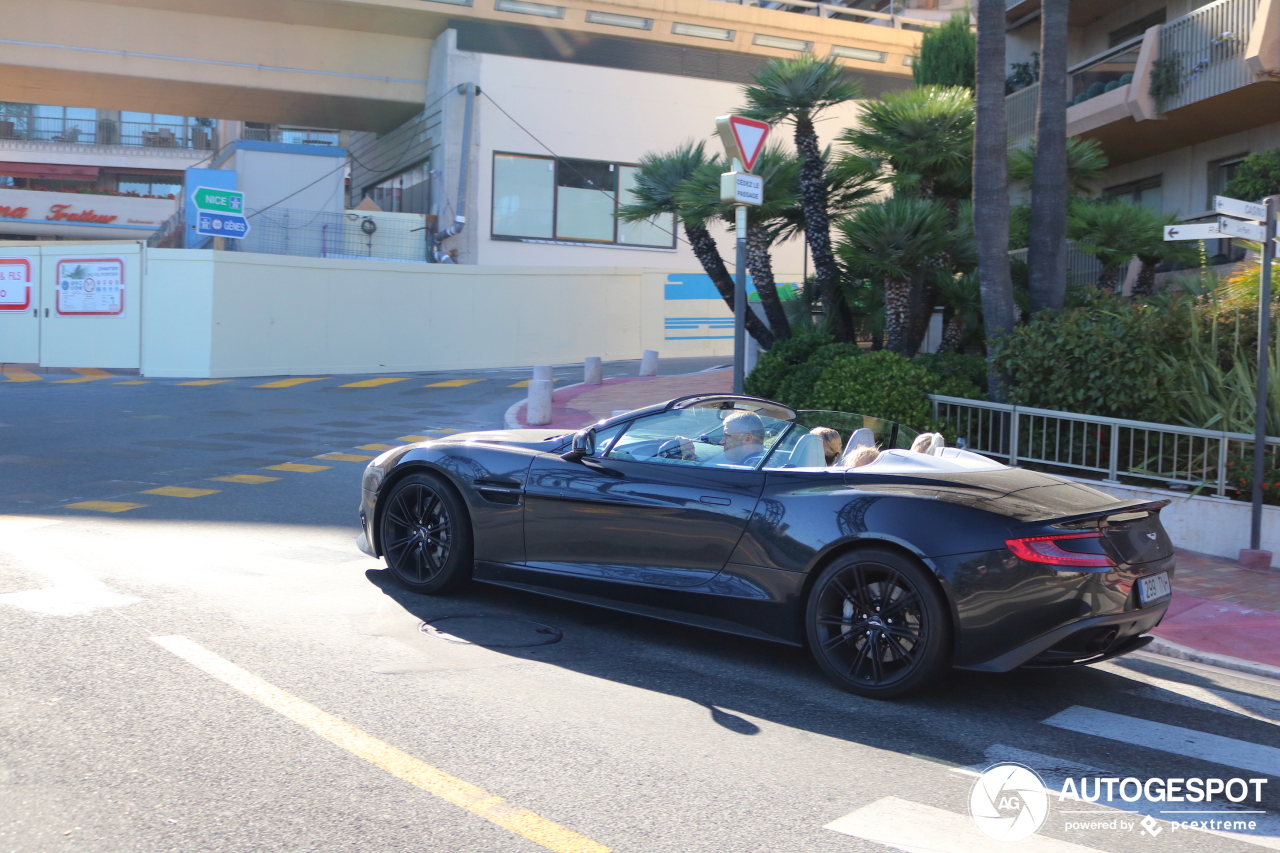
[[105, 132], [290, 135], [1082, 267], [1202, 54], [1105, 72], [1020, 113]]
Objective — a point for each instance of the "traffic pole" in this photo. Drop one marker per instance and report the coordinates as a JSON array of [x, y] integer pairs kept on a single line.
[[1264, 360], [740, 300]]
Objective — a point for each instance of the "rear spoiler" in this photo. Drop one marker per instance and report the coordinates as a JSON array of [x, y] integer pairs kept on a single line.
[[1117, 509]]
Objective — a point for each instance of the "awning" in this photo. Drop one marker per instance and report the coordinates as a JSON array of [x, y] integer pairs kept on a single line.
[[48, 171]]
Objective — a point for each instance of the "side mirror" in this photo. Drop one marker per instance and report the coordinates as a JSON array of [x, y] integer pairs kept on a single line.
[[584, 444]]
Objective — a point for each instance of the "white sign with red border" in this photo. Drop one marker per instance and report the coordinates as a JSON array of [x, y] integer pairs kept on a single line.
[[90, 287], [743, 138], [15, 284]]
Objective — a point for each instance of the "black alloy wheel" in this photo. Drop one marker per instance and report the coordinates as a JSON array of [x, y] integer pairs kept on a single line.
[[877, 625], [426, 535]]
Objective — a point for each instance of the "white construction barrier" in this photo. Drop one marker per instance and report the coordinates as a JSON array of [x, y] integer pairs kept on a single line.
[[592, 371], [649, 363], [538, 409]]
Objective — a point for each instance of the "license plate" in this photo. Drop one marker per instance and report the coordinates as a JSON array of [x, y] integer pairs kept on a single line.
[[1154, 587]]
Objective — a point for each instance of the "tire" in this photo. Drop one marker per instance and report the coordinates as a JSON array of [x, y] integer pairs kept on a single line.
[[877, 624], [426, 535]]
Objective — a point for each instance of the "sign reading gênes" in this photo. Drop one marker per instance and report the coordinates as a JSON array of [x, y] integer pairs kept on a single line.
[[219, 201]]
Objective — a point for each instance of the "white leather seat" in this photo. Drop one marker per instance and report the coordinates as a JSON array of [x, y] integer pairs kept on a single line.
[[808, 453], [861, 438]]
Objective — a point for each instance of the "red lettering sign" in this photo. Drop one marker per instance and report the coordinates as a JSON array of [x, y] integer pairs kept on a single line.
[[58, 212], [13, 212]]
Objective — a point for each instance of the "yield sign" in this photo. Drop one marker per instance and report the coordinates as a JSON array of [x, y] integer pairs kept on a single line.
[[743, 138]]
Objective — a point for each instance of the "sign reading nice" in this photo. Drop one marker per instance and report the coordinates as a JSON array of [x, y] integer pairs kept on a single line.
[[220, 213]]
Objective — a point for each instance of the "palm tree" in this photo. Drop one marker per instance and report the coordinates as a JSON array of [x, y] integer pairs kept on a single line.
[[1156, 250], [1046, 251], [654, 192], [991, 183], [896, 241], [1086, 162], [796, 91], [1113, 232], [699, 199]]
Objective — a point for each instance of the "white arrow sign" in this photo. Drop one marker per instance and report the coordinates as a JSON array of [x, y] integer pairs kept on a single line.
[[1242, 209], [740, 188], [1196, 231], [1244, 230]]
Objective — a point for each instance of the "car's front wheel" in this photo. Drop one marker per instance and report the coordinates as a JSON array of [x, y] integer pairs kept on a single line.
[[877, 624], [426, 535]]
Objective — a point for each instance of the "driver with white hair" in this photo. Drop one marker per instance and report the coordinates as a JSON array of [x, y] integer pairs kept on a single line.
[[743, 438]]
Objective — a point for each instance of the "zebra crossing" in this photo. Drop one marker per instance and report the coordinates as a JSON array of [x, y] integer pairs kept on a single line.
[[1136, 808]]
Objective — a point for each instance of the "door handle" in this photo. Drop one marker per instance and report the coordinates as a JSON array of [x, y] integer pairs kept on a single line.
[[714, 501]]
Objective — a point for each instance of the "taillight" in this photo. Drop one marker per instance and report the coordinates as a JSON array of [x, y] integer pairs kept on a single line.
[[1045, 549]]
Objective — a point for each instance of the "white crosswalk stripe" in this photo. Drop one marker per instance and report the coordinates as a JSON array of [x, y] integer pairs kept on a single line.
[[1173, 739]]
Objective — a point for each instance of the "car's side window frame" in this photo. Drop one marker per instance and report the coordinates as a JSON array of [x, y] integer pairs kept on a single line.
[[764, 463]]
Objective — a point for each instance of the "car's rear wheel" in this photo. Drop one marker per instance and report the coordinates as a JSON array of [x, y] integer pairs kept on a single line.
[[426, 535], [877, 624]]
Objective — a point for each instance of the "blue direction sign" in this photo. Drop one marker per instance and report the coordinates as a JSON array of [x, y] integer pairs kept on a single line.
[[210, 224]]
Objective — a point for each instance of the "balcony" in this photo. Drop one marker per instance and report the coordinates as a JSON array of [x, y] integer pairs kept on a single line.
[[1204, 76], [259, 132], [106, 132]]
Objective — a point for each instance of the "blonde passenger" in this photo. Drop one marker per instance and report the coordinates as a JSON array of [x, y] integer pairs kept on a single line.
[[831, 444], [862, 456], [923, 442]]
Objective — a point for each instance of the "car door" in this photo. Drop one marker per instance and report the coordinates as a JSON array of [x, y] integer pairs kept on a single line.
[[652, 521]]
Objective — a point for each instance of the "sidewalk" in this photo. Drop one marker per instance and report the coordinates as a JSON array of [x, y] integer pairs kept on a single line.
[[1221, 614]]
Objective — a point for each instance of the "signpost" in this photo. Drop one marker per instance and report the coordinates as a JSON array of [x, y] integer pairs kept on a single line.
[[220, 213], [743, 140], [1229, 226], [1195, 231]]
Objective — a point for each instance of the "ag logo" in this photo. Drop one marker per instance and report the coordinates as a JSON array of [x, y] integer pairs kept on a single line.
[[1008, 802]]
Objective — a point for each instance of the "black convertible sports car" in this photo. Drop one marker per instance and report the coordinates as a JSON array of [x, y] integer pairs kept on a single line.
[[722, 511]]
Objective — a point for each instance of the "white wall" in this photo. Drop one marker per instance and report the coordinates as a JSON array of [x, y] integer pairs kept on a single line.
[[270, 177], [220, 314]]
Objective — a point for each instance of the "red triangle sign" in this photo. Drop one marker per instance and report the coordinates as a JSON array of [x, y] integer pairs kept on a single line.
[[750, 136]]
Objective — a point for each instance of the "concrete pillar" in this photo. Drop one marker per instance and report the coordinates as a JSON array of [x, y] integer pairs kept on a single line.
[[538, 408], [649, 363], [542, 371], [592, 371]]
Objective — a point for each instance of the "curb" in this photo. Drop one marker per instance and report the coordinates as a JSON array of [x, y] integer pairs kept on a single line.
[[511, 419], [1170, 649]]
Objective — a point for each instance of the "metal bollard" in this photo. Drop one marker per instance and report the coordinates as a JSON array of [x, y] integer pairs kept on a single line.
[[592, 371], [649, 363], [538, 407], [542, 371]]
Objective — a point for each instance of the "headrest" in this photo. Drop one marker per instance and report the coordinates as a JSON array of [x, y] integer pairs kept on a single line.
[[862, 438], [808, 453]]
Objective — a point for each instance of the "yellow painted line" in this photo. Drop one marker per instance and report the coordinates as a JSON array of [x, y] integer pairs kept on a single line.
[[525, 383], [104, 506], [344, 457], [374, 383], [383, 755], [377, 447], [446, 429], [452, 383], [414, 438], [289, 383], [87, 374], [133, 382], [301, 469], [206, 382], [248, 479], [20, 374], [180, 492]]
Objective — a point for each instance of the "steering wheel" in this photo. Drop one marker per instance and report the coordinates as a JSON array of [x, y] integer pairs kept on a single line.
[[671, 449]]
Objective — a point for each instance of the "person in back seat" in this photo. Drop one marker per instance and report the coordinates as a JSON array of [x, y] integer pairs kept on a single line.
[[831, 444], [860, 456]]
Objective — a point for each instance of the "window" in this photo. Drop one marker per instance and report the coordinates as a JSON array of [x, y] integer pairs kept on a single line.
[[714, 438], [570, 200], [859, 53], [406, 192], [614, 20], [160, 185], [1220, 174], [698, 31], [1147, 192], [782, 43], [1135, 28]]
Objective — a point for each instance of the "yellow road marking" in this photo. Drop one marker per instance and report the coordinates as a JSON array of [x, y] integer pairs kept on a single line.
[[414, 438], [452, 383], [104, 506], [446, 429], [525, 383], [87, 374], [383, 755], [301, 469], [205, 382], [344, 457], [180, 492], [20, 374], [289, 383], [377, 447], [374, 383], [249, 479], [133, 382]]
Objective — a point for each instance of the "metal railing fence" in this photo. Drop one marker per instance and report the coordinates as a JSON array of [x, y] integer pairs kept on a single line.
[[1082, 267], [106, 132], [1111, 447], [1204, 51], [349, 236], [1020, 114]]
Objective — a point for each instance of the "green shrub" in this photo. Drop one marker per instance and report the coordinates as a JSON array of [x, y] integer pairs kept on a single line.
[[972, 367], [1101, 358], [1257, 176], [780, 361], [797, 389], [885, 385]]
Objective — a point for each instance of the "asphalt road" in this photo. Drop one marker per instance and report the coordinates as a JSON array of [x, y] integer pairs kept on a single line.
[[226, 672]]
